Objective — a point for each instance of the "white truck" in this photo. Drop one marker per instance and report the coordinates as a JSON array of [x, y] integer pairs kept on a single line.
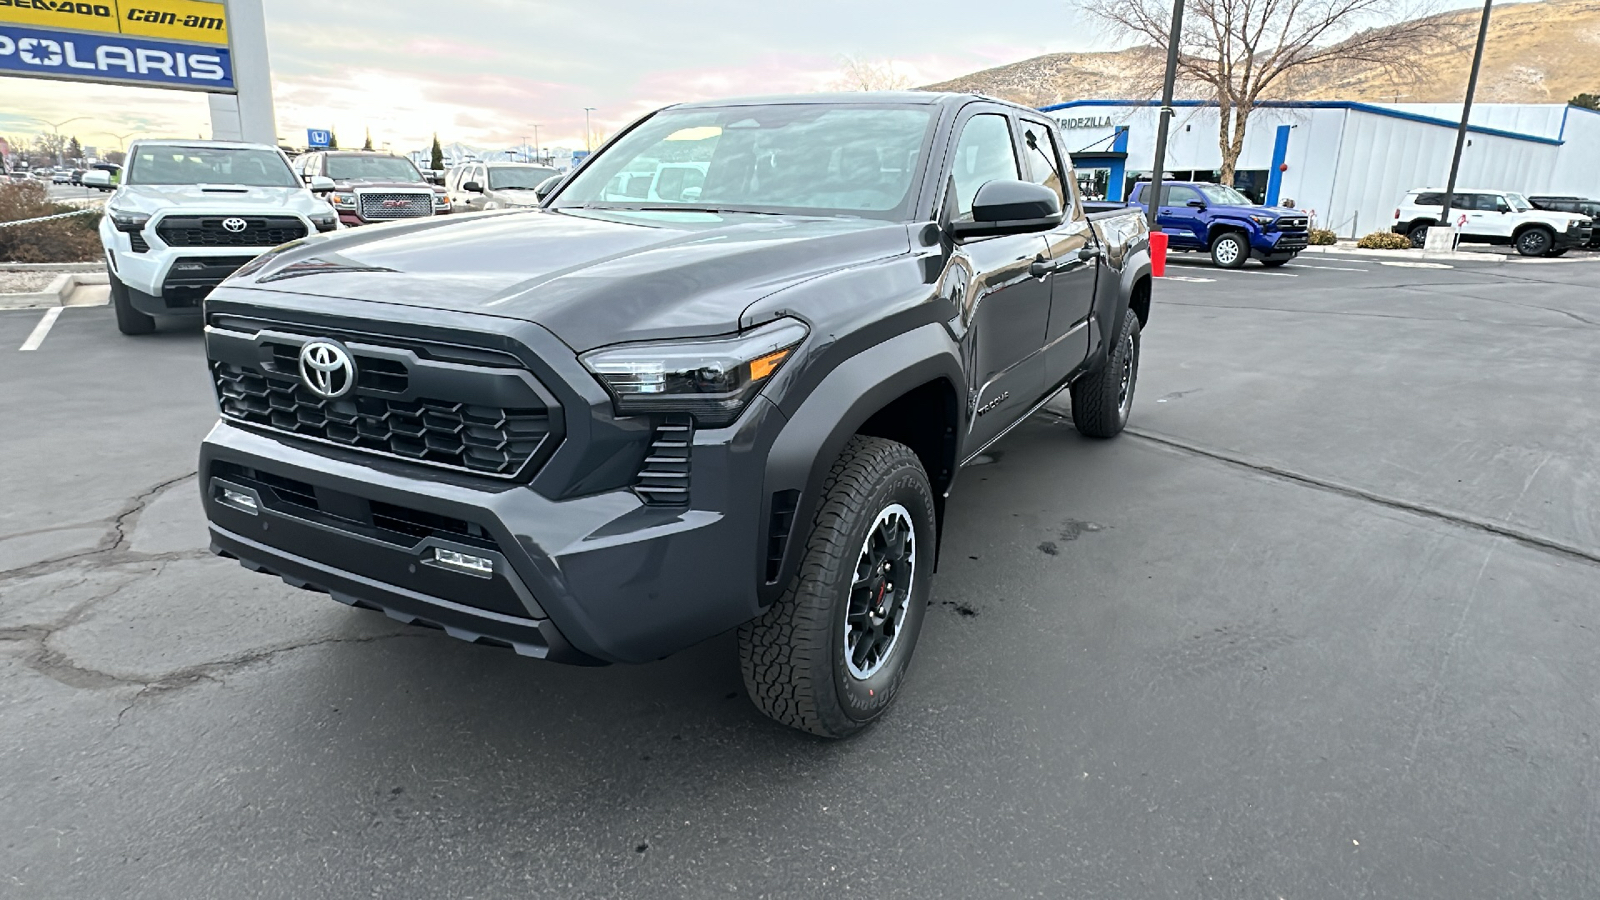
[[189, 213], [1492, 217]]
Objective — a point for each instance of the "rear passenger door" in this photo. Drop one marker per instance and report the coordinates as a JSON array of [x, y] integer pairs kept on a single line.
[[1066, 342], [1006, 300]]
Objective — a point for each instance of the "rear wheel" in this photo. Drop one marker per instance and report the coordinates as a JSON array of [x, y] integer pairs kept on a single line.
[[1419, 234], [1102, 401], [829, 656], [1229, 250], [129, 320], [1535, 242]]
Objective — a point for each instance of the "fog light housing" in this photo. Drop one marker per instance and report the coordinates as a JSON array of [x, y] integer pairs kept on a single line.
[[239, 500], [481, 566]]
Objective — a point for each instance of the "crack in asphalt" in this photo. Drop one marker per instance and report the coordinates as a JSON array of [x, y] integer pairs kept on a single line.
[[112, 549], [1460, 519]]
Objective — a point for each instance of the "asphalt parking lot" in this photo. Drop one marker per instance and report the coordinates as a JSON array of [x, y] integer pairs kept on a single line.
[[1322, 625]]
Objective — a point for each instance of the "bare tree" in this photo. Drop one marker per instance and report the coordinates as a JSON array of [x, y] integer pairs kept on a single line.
[[861, 74], [1245, 51]]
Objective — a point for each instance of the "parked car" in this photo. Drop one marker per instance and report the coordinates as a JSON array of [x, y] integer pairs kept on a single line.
[[112, 179], [61, 176], [188, 214], [373, 187], [1492, 217], [479, 186], [1590, 209], [611, 430], [1214, 218]]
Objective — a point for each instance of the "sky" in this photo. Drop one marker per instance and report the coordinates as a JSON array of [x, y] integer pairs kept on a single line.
[[483, 72]]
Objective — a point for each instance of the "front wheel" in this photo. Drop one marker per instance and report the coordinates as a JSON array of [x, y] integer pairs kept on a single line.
[[1556, 253], [1102, 401], [129, 320], [1419, 235], [1535, 242], [829, 656], [1229, 250]]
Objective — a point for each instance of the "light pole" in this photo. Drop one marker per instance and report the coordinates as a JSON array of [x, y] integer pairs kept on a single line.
[[1466, 112], [56, 127], [1153, 199], [538, 152], [587, 144]]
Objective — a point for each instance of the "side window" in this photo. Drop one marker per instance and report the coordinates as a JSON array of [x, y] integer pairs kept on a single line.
[[1499, 203], [1044, 159], [1180, 195], [1430, 199], [984, 154]]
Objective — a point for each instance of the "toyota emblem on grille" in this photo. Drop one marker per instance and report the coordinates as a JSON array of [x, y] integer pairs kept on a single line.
[[234, 224], [396, 204], [326, 369]]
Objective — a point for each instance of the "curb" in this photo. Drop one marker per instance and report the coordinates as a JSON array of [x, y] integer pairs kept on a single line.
[[1353, 250], [56, 294], [92, 266]]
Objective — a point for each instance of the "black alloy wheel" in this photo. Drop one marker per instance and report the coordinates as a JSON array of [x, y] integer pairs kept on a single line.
[[1419, 235], [1535, 242]]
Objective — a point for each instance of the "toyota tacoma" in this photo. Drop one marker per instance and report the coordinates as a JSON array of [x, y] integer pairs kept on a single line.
[[610, 428], [1220, 221]]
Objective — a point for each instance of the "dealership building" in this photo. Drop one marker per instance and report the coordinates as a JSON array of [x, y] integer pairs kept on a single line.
[[1347, 163]]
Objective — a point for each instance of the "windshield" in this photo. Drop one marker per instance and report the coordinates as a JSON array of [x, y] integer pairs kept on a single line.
[[1218, 195], [1518, 203], [795, 158], [514, 178], [167, 164], [372, 168]]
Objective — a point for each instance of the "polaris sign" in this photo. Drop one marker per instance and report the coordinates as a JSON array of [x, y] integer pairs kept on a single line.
[[114, 58]]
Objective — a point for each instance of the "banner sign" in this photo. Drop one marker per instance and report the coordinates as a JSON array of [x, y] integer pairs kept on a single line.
[[113, 59], [193, 21]]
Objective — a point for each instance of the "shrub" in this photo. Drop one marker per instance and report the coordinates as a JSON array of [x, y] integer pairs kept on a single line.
[[1384, 240], [1323, 237], [60, 240]]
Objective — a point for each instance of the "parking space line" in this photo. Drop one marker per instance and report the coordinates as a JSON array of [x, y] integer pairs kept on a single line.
[[37, 336], [1252, 273], [1334, 268]]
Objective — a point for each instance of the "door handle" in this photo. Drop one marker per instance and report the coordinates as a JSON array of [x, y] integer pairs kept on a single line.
[[1040, 267], [1087, 253]]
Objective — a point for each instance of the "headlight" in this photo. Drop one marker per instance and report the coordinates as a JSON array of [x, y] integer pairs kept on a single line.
[[440, 201], [128, 220], [712, 379], [342, 201], [1262, 220], [325, 221]]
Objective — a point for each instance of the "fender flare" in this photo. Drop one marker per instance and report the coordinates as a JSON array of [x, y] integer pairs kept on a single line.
[[805, 450]]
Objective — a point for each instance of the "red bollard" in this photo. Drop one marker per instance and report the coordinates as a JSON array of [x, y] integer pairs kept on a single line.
[[1158, 254]]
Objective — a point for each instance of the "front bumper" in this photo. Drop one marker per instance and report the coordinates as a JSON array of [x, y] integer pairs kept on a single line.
[[171, 281], [582, 574], [1279, 244], [1574, 238]]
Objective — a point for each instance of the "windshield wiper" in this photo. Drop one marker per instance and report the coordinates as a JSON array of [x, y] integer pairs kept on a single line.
[[686, 209]]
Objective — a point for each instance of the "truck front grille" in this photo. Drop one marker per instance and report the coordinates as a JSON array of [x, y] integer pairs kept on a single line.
[[378, 205], [209, 231], [489, 440], [1296, 224]]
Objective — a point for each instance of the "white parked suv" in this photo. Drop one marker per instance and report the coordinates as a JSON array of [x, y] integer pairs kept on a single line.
[[190, 213], [1492, 217]]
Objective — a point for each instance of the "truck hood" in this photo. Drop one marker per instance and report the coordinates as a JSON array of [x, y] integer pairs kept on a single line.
[[218, 198], [591, 277]]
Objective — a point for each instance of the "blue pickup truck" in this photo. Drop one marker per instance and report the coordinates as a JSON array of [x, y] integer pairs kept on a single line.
[[1223, 222]]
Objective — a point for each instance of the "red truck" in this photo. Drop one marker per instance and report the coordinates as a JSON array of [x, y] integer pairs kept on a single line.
[[373, 187]]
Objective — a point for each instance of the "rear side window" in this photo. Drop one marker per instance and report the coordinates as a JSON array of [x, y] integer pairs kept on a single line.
[[984, 154], [1429, 199]]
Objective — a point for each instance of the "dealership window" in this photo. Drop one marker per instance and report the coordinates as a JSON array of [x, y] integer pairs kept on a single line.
[[1252, 183], [1094, 183]]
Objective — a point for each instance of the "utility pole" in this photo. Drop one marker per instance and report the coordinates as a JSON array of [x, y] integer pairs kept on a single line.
[[1153, 200], [587, 139], [538, 151], [1466, 112]]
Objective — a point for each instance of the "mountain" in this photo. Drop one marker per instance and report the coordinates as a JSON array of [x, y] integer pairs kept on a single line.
[[1538, 52]]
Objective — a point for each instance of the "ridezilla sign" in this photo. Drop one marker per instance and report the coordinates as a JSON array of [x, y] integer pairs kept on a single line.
[[158, 43]]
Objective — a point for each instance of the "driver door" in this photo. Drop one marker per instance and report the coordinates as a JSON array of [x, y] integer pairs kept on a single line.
[[1180, 221]]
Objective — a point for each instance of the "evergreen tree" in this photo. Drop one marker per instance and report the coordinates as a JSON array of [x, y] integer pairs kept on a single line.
[[1587, 101], [436, 163], [333, 140], [368, 144], [74, 149]]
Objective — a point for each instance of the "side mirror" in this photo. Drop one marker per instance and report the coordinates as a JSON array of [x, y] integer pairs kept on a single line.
[[321, 184], [545, 187], [1196, 204], [472, 187], [1010, 207], [97, 178]]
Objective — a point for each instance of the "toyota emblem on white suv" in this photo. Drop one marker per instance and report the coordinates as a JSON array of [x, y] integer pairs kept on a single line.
[[234, 224], [326, 369]]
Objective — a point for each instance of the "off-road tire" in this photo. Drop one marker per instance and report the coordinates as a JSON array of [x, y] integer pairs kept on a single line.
[[1226, 259], [1535, 242], [129, 320], [793, 656], [1553, 254], [1418, 235], [1099, 409]]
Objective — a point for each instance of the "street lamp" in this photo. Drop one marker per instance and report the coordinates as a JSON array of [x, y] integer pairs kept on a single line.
[[587, 145], [1466, 113], [1154, 200], [56, 127], [538, 153]]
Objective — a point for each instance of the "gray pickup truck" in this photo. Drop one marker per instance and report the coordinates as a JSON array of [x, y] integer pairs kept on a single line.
[[611, 427]]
